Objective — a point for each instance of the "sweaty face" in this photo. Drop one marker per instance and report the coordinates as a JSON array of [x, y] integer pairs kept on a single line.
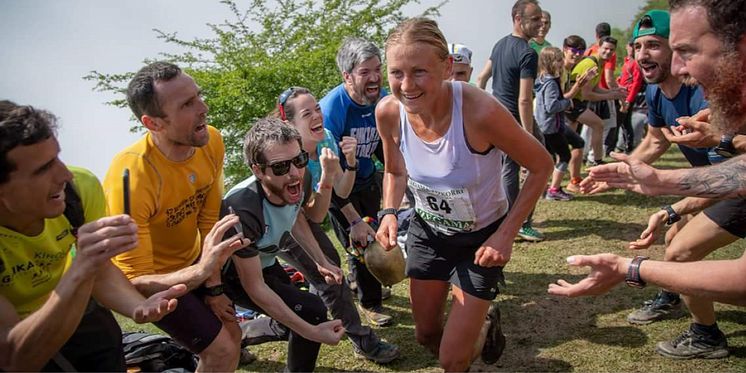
[[307, 119], [364, 82], [531, 21], [461, 72], [185, 121], [416, 73], [282, 189], [36, 189], [696, 49], [653, 55]]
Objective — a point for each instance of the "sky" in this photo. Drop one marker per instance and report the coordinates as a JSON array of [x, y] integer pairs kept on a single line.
[[49, 45]]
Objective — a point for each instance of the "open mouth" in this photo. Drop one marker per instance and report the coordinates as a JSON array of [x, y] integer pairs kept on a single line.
[[648, 68], [293, 190], [317, 128], [201, 128], [372, 89], [59, 196], [412, 97]]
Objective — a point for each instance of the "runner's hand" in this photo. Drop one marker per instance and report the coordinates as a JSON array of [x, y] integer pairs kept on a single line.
[[222, 307], [495, 252], [158, 305], [647, 237], [387, 230]]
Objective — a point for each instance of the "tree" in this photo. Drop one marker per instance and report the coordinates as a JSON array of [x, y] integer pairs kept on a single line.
[[264, 50]]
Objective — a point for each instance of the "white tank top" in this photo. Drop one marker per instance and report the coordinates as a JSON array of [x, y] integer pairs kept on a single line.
[[456, 189]]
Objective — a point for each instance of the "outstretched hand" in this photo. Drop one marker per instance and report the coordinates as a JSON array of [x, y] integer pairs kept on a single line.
[[630, 174], [158, 305], [607, 270], [647, 237]]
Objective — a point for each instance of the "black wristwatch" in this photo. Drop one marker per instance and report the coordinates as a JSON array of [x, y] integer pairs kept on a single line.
[[673, 217], [633, 273], [351, 168], [212, 291], [384, 212]]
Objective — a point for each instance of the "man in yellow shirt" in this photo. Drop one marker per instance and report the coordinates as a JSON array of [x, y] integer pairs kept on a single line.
[[48, 319], [176, 190]]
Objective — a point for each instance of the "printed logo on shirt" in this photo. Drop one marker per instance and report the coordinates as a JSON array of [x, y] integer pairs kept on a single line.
[[367, 141], [186, 207]]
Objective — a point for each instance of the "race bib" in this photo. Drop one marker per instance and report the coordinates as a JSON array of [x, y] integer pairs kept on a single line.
[[447, 211]]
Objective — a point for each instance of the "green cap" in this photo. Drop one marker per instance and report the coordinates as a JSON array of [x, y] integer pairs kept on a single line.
[[661, 24]]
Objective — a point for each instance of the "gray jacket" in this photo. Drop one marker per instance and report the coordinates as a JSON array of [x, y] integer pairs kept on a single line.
[[550, 105]]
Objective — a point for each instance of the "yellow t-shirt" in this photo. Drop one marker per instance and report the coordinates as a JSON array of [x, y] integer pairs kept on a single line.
[[31, 267], [174, 204], [581, 67]]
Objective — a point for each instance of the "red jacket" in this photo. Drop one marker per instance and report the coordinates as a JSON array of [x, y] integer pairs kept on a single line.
[[631, 79]]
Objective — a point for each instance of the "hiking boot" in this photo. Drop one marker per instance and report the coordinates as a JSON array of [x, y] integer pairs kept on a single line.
[[382, 353], [662, 306], [376, 316], [557, 195], [385, 293], [494, 343], [693, 345], [247, 357], [528, 233]]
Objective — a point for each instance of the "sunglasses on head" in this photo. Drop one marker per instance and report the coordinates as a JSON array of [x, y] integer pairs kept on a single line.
[[280, 168], [282, 99], [576, 50]]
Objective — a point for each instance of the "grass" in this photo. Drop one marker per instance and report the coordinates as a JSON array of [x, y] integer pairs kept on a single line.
[[547, 333]]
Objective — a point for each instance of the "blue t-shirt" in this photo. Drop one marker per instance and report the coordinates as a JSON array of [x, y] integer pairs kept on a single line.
[[662, 112], [344, 117], [279, 221], [314, 166]]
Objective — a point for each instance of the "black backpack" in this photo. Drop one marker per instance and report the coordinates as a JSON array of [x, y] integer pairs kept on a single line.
[[156, 353]]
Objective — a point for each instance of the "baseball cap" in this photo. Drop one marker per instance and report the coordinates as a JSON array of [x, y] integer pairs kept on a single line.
[[460, 53], [660, 24]]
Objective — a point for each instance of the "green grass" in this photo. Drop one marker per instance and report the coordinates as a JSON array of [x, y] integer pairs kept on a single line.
[[547, 333]]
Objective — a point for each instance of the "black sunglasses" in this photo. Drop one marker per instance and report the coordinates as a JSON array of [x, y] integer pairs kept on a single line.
[[284, 96], [280, 168]]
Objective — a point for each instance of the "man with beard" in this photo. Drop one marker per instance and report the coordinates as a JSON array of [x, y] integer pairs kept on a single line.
[[348, 110], [268, 205], [176, 186], [512, 67], [707, 37]]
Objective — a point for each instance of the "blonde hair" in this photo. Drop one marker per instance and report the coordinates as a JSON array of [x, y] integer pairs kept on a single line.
[[419, 30], [548, 60]]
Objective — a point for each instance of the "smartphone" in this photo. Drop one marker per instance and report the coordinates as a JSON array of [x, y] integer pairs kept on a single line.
[[126, 190], [237, 226]]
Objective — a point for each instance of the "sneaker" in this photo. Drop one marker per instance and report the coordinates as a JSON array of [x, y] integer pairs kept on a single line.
[[528, 233], [382, 353], [246, 357], [557, 195], [375, 316], [656, 309], [692, 345], [385, 293], [494, 343], [593, 163]]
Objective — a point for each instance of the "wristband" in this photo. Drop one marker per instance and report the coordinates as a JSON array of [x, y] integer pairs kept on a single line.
[[321, 186], [633, 273], [351, 168], [356, 222]]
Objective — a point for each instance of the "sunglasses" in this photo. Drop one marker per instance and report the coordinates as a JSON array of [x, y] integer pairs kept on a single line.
[[576, 50], [284, 96], [280, 168]]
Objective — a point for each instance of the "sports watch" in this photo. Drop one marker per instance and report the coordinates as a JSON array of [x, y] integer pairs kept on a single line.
[[212, 291], [673, 217], [384, 212], [633, 273]]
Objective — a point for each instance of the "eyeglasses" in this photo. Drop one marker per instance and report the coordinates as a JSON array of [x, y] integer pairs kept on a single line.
[[280, 168], [576, 51], [282, 99]]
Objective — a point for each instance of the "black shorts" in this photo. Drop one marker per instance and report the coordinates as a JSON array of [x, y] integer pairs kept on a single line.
[[578, 107], [729, 214], [192, 324], [436, 256], [95, 346]]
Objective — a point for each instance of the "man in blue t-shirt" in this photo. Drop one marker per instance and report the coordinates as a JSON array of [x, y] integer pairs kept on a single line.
[[349, 110], [690, 237], [512, 66]]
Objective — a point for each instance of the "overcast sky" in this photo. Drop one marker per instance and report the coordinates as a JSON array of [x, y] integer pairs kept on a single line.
[[49, 45]]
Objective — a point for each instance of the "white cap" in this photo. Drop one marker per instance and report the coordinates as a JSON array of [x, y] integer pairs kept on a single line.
[[460, 53]]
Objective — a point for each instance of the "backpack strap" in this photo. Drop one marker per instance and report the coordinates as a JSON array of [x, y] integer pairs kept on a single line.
[[73, 208]]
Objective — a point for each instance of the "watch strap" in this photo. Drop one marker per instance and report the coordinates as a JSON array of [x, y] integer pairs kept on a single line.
[[384, 212], [212, 291], [673, 217], [633, 278]]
